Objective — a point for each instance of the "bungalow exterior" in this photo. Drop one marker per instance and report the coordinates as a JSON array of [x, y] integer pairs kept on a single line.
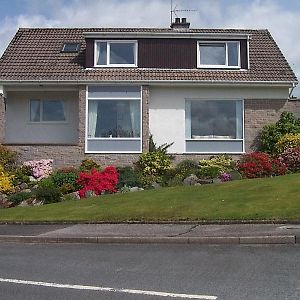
[[75, 93]]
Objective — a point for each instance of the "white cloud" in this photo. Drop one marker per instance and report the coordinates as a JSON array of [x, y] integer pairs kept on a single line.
[[283, 24]]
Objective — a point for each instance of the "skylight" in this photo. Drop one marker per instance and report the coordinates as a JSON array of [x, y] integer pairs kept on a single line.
[[70, 47]]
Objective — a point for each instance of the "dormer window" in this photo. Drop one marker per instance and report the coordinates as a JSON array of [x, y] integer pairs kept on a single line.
[[115, 53], [213, 54]]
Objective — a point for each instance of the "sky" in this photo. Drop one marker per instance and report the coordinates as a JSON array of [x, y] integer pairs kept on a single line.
[[280, 17]]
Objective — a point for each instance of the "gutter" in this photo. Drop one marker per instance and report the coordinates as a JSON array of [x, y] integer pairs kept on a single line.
[[291, 84]]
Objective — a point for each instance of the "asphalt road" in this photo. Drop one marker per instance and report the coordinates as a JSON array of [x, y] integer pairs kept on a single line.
[[75, 271]]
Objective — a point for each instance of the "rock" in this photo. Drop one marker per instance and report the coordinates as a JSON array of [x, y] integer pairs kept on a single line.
[[24, 203], [134, 189], [32, 179], [198, 184], [5, 203], [23, 186], [36, 202], [217, 180], [17, 189], [74, 195], [155, 185], [89, 194], [27, 191], [3, 196], [191, 180]]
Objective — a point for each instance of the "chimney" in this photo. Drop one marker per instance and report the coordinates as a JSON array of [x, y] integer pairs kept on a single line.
[[183, 24]]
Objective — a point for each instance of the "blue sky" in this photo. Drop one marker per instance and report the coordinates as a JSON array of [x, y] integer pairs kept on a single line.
[[281, 17]]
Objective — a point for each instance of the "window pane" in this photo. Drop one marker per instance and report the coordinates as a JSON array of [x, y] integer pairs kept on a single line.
[[212, 54], [122, 53], [101, 54], [114, 118], [35, 110], [215, 119], [53, 111], [232, 54]]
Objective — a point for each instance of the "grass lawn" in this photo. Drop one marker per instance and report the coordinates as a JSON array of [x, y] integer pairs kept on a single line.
[[275, 198]]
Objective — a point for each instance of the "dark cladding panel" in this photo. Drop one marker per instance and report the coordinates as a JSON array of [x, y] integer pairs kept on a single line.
[[244, 54], [89, 53], [167, 53]]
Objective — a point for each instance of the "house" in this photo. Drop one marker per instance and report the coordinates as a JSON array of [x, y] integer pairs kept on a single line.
[[75, 93]]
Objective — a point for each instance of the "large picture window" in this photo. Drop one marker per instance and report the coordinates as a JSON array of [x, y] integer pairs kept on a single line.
[[114, 119], [211, 124], [219, 54], [116, 53]]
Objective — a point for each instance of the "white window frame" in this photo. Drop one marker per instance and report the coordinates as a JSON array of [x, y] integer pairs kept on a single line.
[[218, 139], [41, 112], [113, 138], [108, 64], [226, 66]]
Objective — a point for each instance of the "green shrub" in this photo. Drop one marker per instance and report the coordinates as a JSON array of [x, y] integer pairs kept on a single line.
[[152, 166], [127, 177], [69, 177], [214, 166], [89, 164], [289, 140], [271, 133], [47, 192], [185, 168], [18, 198], [154, 148], [8, 158], [21, 174]]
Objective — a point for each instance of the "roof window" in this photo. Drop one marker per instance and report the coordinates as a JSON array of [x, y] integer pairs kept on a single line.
[[70, 47]]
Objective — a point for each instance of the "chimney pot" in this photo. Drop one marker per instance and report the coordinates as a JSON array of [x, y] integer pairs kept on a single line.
[[180, 24], [177, 20], [183, 20]]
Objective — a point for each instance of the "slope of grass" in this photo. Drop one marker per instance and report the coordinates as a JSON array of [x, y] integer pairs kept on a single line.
[[269, 198]]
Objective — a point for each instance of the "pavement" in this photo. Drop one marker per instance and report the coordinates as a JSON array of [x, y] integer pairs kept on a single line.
[[152, 233]]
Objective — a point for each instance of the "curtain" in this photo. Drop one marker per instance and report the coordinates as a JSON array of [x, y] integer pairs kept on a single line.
[[239, 119], [92, 118], [188, 122], [134, 109]]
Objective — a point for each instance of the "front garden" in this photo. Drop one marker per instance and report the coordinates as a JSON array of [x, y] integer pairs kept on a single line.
[[216, 186]]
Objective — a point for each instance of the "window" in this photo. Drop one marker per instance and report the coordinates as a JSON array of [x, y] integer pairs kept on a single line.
[[47, 111], [116, 53], [214, 125], [70, 47], [113, 119], [219, 54]]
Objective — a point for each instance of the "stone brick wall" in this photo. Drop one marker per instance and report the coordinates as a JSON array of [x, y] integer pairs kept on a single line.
[[2, 118], [145, 123]]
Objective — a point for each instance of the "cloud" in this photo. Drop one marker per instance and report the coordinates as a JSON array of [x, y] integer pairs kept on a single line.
[[283, 22]]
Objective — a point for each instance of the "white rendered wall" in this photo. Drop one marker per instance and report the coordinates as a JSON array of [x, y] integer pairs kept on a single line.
[[167, 108], [19, 129]]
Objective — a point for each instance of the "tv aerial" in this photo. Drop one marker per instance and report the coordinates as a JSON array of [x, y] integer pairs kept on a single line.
[[174, 10]]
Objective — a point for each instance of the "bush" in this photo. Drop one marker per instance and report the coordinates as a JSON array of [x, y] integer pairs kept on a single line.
[[287, 141], [40, 168], [185, 168], [127, 177], [8, 158], [98, 182], [152, 166], [214, 166], [48, 192], [271, 133], [16, 199], [65, 179], [6, 181], [21, 174], [88, 165], [259, 164], [291, 158]]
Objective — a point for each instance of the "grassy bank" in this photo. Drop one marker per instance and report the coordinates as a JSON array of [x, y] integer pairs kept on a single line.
[[269, 198]]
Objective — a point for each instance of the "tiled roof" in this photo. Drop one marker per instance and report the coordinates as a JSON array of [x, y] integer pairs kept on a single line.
[[34, 54]]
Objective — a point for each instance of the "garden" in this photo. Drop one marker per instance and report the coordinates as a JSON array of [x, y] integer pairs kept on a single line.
[[36, 183]]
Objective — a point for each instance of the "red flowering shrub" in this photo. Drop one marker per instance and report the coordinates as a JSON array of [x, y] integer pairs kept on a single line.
[[97, 181], [291, 158], [259, 164]]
